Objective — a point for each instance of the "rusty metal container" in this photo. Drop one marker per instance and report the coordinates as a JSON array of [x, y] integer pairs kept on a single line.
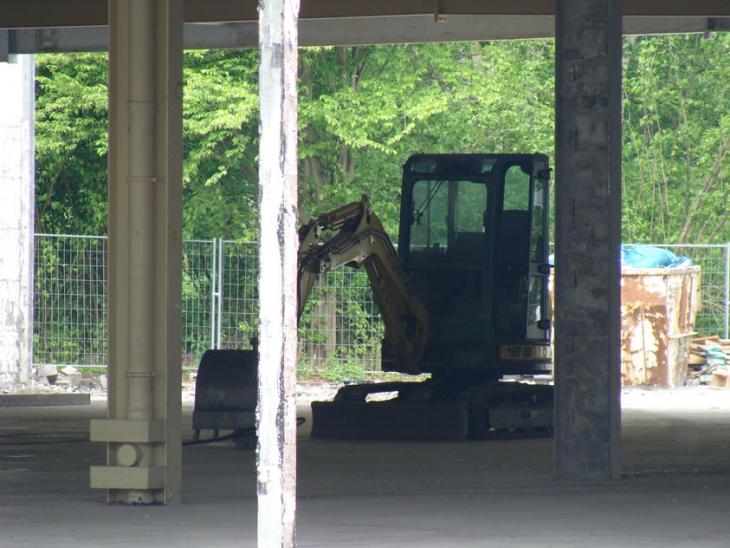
[[658, 310]]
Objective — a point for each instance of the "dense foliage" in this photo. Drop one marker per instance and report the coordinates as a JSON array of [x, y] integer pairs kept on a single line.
[[363, 110], [677, 139], [71, 143]]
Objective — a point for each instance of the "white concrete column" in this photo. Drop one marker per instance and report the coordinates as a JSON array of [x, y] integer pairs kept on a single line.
[[17, 200], [143, 433], [278, 242]]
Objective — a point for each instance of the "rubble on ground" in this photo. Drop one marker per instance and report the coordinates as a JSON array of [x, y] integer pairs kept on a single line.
[[709, 362], [64, 380]]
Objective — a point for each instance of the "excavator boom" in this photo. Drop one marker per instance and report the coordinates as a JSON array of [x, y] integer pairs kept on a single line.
[[356, 237]]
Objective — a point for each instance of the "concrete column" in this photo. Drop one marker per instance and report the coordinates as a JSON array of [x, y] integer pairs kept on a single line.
[[143, 432], [17, 199], [587, 239], [278, 242]]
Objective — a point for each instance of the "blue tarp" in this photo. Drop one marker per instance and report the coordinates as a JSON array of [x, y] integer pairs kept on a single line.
[[647, 256]]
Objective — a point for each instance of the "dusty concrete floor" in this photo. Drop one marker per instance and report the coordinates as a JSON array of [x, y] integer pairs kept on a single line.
[[369, 494]]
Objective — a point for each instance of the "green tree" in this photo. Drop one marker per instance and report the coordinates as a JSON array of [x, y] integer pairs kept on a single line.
[[364, 110], [677, 139], [220, 128], [71, 143], [359, 102]]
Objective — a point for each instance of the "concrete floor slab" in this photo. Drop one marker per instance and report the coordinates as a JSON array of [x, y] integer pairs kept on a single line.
[[37, 400], [368, 494]]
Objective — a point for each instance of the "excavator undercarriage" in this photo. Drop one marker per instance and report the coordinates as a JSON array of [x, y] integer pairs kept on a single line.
[[421, 411]]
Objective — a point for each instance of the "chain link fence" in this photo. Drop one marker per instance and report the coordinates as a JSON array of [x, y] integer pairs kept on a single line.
[[714, 260], [199, 307], [340, 328], [339, 332], [70, 305]]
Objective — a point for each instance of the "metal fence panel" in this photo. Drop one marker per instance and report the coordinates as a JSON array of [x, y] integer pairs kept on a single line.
[[712, 318], [69, 317], [238, 313], [340, 327], [199, 261]]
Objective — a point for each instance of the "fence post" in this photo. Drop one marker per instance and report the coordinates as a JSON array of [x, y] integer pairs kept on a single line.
[[727, 289], [213, 289], [219, 315]]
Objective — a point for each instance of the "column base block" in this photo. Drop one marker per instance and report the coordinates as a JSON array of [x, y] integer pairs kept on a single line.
[[126, 431], [122, 477]]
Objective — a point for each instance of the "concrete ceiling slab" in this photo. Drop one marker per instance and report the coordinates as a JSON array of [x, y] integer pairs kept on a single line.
[[354, 31], [60, 13]]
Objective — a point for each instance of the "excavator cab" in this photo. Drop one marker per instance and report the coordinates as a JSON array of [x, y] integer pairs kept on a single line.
[[473, 241]]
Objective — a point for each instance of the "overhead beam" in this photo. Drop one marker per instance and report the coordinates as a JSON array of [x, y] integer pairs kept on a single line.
[[75, 13], [353, 31]]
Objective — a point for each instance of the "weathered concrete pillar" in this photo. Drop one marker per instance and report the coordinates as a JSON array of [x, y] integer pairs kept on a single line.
[[278, 242], [587, 239], [143, 433], [17, 198]]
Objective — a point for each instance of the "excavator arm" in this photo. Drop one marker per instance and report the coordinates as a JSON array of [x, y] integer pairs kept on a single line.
[[358, 238]]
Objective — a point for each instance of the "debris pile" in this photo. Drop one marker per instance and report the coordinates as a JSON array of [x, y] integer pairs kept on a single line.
[[709, 362], [70, 379]]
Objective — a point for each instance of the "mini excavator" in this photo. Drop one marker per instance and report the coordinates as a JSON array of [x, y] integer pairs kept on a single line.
[[464, 298]]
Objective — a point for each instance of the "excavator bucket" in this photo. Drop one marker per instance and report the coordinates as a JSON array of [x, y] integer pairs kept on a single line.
[[225, 390]]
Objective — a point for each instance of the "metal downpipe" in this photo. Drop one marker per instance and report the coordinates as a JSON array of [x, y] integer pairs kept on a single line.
[[141, 182]]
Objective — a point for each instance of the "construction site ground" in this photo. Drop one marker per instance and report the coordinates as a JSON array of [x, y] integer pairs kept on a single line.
[[676, 489]]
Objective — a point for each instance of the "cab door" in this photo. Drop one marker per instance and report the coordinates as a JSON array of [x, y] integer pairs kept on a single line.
[[538, 315]]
